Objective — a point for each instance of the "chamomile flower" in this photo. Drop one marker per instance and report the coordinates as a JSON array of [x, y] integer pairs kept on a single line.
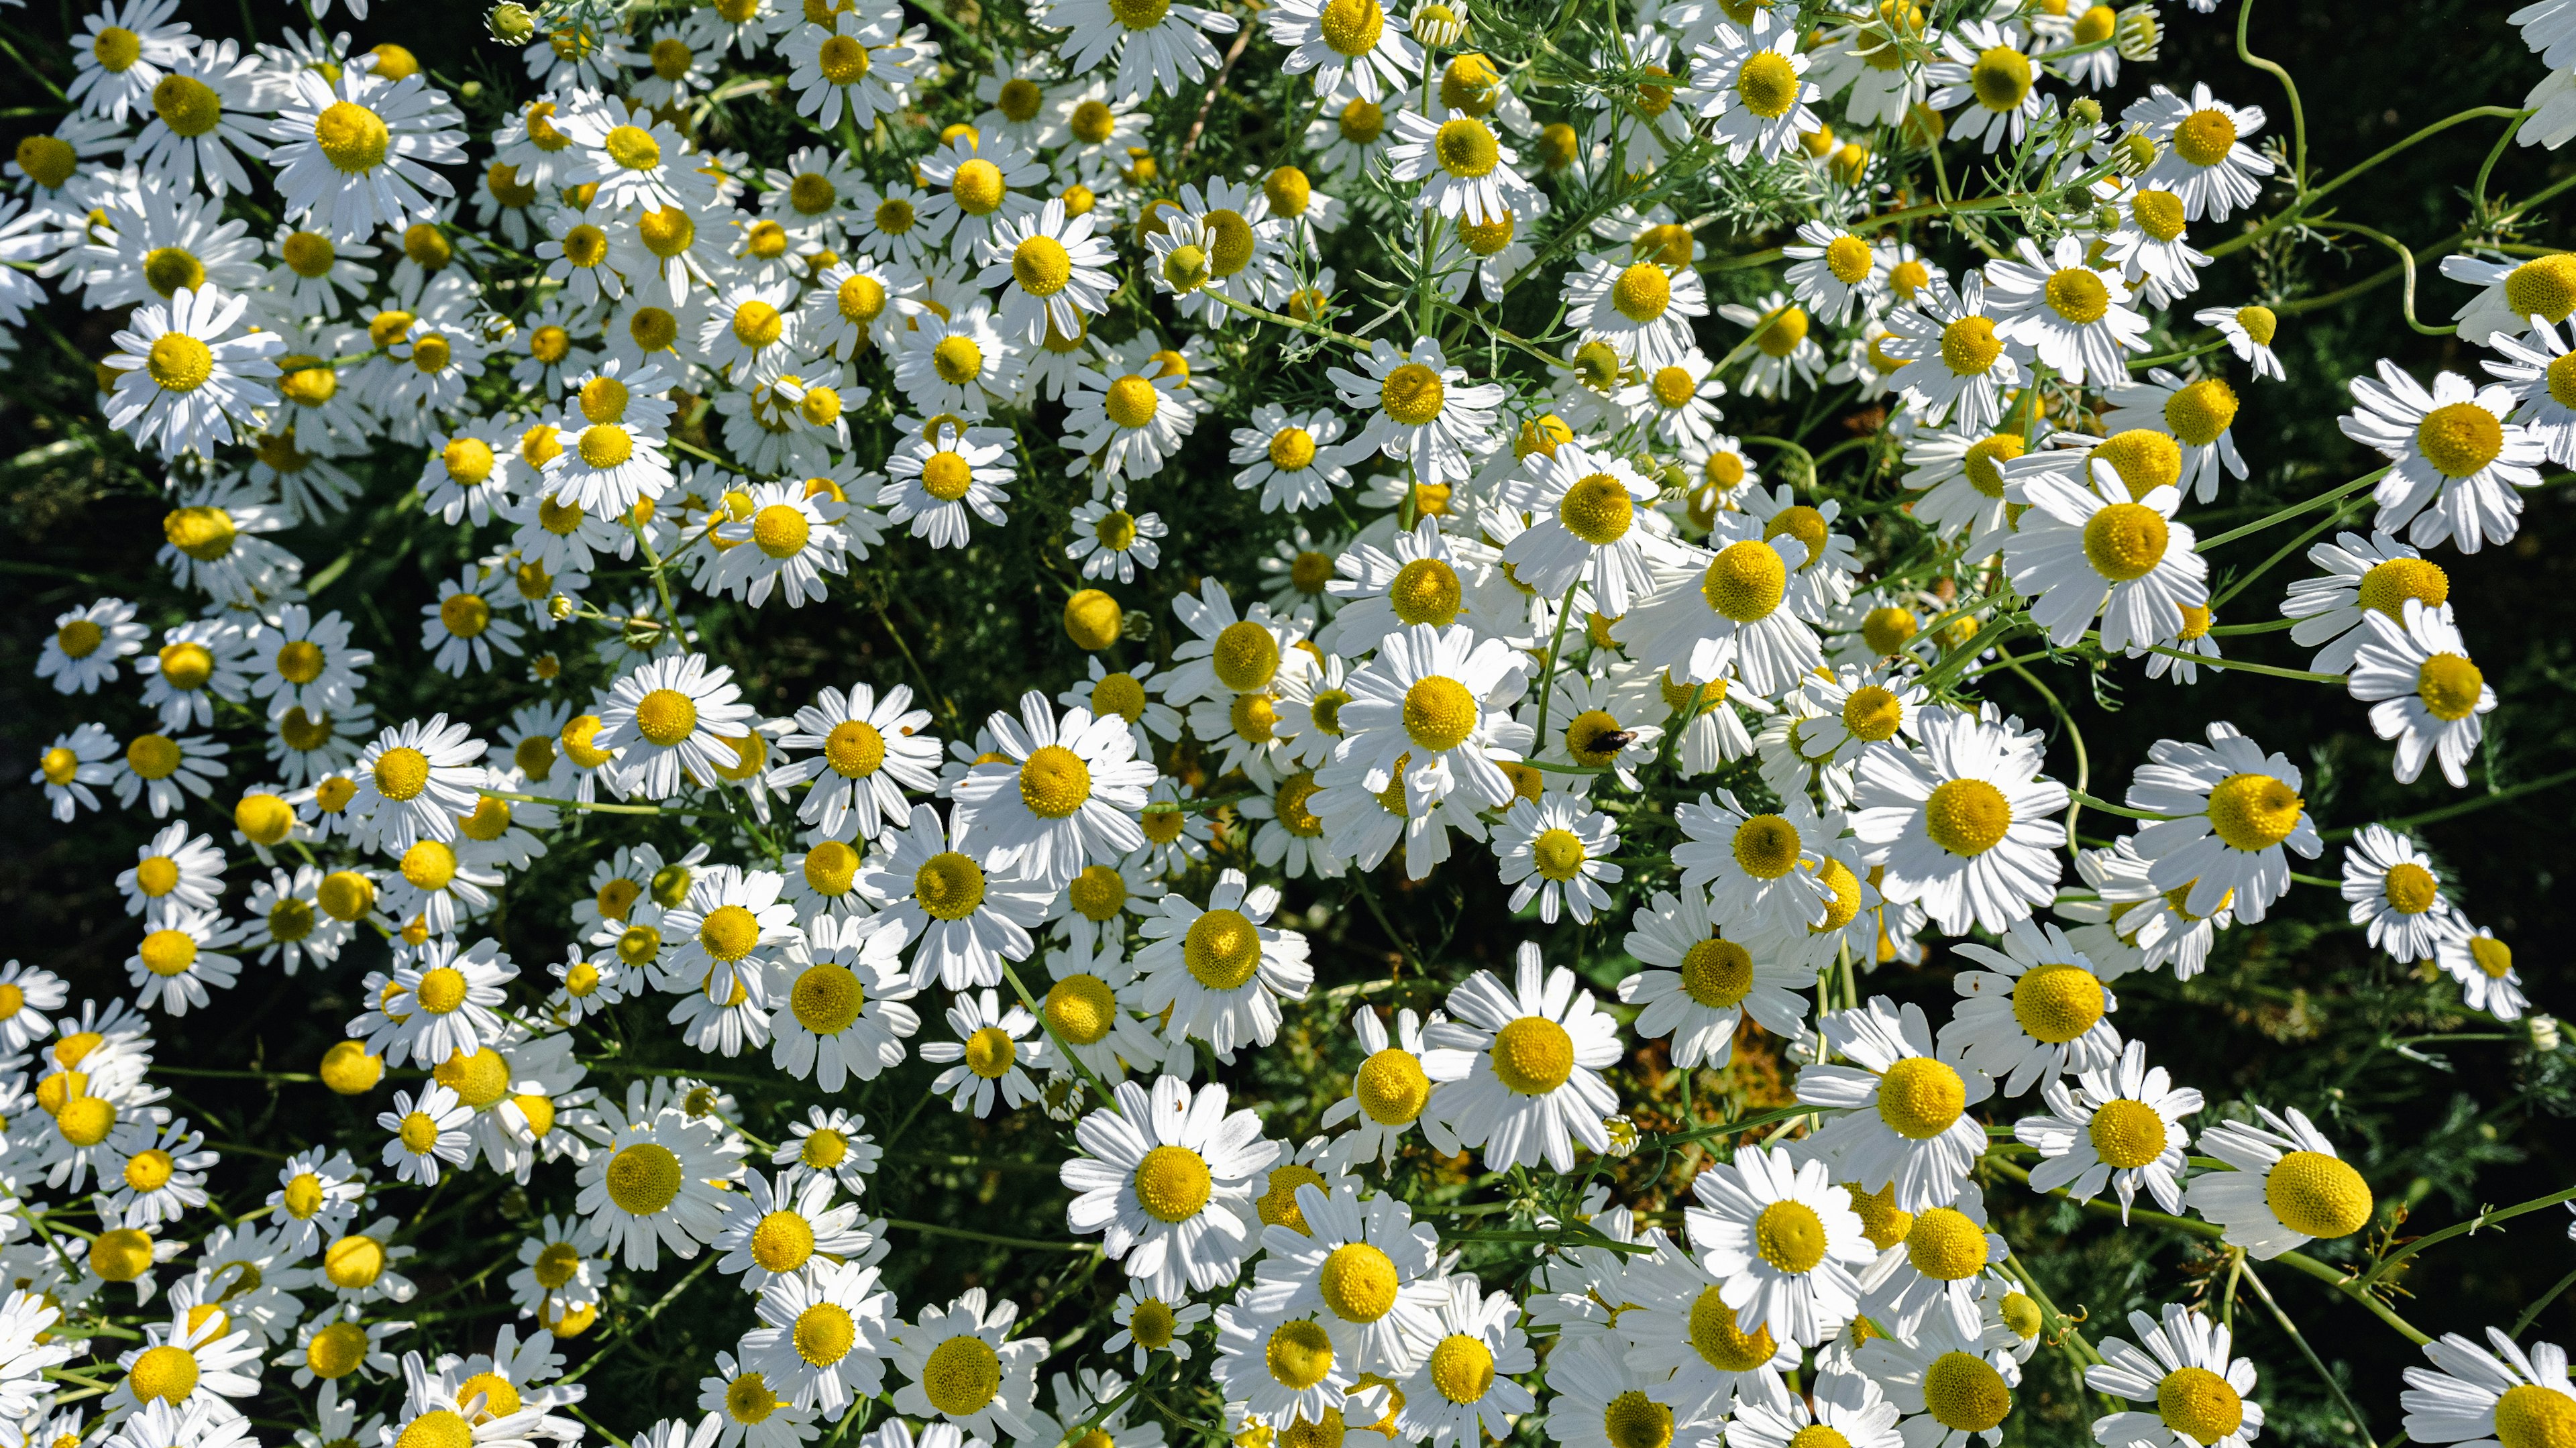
[[1944, 1265], [172, 872], [966, 1369], [1725, 612], [1781, 1241], [1847, 1404], [2225, 811], [2424, 693], [2086, 550], [962, 913], [2394, 893], [823, 1338], [1954, 1388], [1221, 970], [1586, 504], [156, 768], [2201, 1397], [2284, 1188], [1159, 48], [2035, 1012], [2073, 316], [355, 150], [672, 716], [2472, 1395], [2483, 965], [1984, 68], [185, 375], [649, 1184], [87, 642], [426, 1134], [2204, 158], [182, 957], [1755, 88], [1908, 1123], [854, 63], [1699, 984], [2118, 1126], [1519, 1066], [1957, 360], [1556, 850], [2457, 464], [1064, 794], [317, 1198]]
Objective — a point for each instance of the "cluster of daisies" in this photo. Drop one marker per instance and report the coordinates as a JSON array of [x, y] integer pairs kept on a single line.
[[1536, 607]]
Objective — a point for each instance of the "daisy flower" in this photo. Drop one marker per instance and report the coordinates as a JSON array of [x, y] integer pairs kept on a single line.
[[118, 60], [1957, 360], [2204, 158], [1356, 41], [1756, 89], [1283, 1371], [2200, 1396], [2120, 1126], [2483, 965], [966, 1368], [1985, 68], [1637, 306], [2084, 551], [1908, 1123], [2037, 1011], [1519, 1067], [1586, 504], [2456, 464], [1699, 985], [2474, 1396], [1781, 1240], [183, 378], [962, 913], [171, 872], [2249, 331], [190, 1364], [672, 716], [75, 761], [934, 479], [2393, 891], [649, 1184], [355, 150], [2285, 1187], [2363, 576], [1679, 400], [1953, 1388], [426, 1133], [316, 1198], [1221, 971], [2225, 811], [830, 1141], [823, 1338], [2423, 691], [1557, 851]]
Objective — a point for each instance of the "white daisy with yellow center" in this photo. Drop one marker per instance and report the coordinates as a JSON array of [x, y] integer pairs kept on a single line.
[[2036, 1011], [2197, 1396], [1221, 971], [1908, 1120], [2424, 693], [824, 1335], [650, 1182], [2285, 1187], [1700, 982], [967, 1370], [2225, 812], [776, 1227], [1782, 1242], [2119, 1127], [1520, 1066], [962, 912]]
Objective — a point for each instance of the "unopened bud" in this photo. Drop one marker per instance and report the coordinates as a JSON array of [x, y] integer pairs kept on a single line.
[[511, 23]]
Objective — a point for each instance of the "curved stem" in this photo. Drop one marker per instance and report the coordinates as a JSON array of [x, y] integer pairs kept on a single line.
[[2295, 509], [2298, 113]]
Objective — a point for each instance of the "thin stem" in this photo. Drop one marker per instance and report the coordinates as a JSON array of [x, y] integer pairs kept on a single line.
[[2381, 1268], [2292, 511], [2360, 1424], [2467, 806], [968, 1234], [1547, 675], [2106, 807], [2532, 1313]]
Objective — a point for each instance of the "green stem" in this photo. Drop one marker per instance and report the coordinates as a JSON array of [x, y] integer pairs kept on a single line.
[[2295, 509], [2360, 1425], [2381, 1268], [1547, 675], [2532, 1313], [2467, 806], [968, 1234]]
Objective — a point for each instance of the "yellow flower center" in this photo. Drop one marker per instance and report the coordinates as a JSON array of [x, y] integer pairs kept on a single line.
[[643, 1178], [2197, 1403], [1633, 1420], [823, 1334], [1532, 1056], [1745, 581], [961, 1376], [2000, 78], [1790, 1236], [1919, 1097], [2317, 1195], [1222, 949], [2127, 1134], [1439, 713], [977, 187], [949, 886], [1964, 1393], [352, 138], [1465, 147], [1300, 1354], [2254, 811], [2205, 137], [2059, 1002], [1358, 1282], [2459, 438], [1720, 1341], [1946, 1244], [1769, 84], [1412, 394]]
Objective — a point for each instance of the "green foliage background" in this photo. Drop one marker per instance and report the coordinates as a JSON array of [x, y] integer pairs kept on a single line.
[[2295, 1012]]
